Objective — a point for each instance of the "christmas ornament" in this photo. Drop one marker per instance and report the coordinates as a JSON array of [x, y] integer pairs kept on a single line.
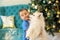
[[33, 5], [59, 30], [57, 1], [48, 14], [58, 12], [49, 2], [57, 16], [46, 9], [48, 28], [46, 18], [28, 10], [54, 4], [44, 1], [36, 6], [58, 21], [54, 26]]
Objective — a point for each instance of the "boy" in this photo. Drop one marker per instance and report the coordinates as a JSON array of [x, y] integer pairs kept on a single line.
[[24, 15]]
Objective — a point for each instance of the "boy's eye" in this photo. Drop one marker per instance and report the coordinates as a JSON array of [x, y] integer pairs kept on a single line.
[[25, 13]]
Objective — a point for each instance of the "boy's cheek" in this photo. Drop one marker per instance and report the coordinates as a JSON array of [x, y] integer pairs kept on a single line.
[[22, 18], [25, 18]]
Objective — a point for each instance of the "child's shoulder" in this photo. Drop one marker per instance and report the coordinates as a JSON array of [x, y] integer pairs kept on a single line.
[[25, 21]]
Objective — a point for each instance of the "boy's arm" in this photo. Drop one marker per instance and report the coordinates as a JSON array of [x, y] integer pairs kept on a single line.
[[25, 26]]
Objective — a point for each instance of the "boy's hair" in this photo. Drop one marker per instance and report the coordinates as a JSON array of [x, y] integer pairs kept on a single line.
[[22, 10]]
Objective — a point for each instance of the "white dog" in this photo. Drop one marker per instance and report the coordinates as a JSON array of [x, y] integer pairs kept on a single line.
[[36, 30]]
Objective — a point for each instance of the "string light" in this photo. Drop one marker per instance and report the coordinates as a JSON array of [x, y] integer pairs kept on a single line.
[[49, 2], [36, 6], [59, 30], [33, 4], [48, 28], [58, 12], [46, 9], [48, 14], [44, 1], [58, 21], [54, 26], [57, 1], [57, 16], [46, 18], [28, 10]]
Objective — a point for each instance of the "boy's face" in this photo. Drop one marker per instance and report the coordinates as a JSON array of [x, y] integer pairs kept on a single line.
[[24, 15]]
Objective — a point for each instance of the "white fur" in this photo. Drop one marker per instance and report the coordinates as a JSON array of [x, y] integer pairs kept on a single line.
[[36, 30]]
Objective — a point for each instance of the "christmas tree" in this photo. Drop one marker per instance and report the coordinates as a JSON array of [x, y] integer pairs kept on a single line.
[[51, 12]]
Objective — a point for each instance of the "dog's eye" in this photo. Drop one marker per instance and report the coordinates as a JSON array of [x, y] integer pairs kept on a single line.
[[33, 15], [39, 15]]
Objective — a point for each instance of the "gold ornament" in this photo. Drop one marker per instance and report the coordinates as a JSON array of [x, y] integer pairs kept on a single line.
[[48, 14], [46, 18], [54, 26], [33, 5], [49, 2], [58, 21], [28, 10], [59, 30], [58, 12], [46, 9], [57, 1], [57, 16], [36, 7], [48, 28]]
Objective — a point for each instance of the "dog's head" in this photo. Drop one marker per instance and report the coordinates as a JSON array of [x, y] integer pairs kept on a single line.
[[35, 17], [37, 14]]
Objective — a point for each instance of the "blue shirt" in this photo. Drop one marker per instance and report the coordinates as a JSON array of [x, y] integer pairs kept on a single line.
[[25, 24]]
